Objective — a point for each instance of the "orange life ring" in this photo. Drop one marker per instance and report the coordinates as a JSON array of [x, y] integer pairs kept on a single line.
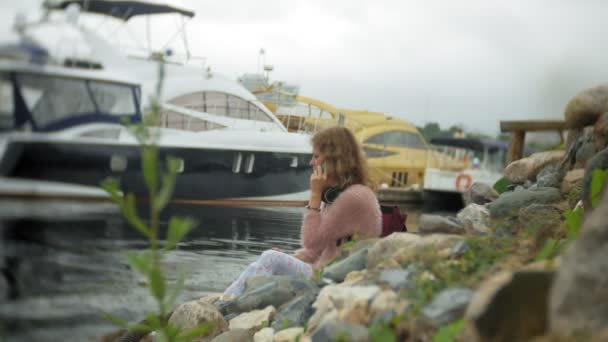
[[467, 182]]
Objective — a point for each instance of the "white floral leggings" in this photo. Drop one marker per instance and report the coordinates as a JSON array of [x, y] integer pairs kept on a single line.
[[271, 262]]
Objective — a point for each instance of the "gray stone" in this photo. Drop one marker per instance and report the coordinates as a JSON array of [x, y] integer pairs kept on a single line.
[[599, 162], [234, 335], [338, 270], [268, 290], [459, 249], [479, 193], [447, 306], [259, 298], [298, 284], [540, 219], [584, 153], [527, 168], [296, 312], [511, 306], [430, 224], [579, 297], [509, 203], [550, 176], [585, 107], [195, 313], [386, 248], [397, 278], [476, 218], [340, 331]]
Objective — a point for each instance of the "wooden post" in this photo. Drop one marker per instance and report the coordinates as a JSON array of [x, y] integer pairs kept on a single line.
[[516, 148], [518, 131]]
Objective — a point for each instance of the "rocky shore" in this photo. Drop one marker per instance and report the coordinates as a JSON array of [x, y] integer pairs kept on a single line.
[[529, 263]]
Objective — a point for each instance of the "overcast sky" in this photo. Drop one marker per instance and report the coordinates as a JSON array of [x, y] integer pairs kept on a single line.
[[464, 62]]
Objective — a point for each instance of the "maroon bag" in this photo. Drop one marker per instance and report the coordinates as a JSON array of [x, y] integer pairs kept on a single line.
[[392, 220]]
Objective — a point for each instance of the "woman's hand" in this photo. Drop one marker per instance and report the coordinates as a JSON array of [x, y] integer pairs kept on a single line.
[[318, 181]]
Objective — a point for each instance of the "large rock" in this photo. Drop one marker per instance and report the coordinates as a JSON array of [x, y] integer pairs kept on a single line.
[[476, 218], [585, 152], [253, 320], [479, 193], [338, 270], [388, 246], [398, 248], [447, 306], [234, 335], [527, 168], [350, 303], [572, 179], [542, 220], [579, 297], [509, 203], [550, 176], [196, 313], [398, 278], [599, 162], [585, 107], [600, 132], [296, 312], [272, 290], [340, 331], [289, 335], [511, 306], [431, 224], [264, 335]]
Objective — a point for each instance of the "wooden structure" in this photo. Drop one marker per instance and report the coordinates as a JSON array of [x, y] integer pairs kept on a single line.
[[518, 131]]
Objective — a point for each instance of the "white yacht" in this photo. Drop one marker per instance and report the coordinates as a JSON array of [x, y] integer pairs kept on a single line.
[[63, 124]]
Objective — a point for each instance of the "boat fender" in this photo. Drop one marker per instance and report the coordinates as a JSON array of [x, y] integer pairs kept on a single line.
[[467, 182]]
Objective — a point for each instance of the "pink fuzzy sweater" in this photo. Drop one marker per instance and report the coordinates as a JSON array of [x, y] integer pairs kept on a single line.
[[354, 212]]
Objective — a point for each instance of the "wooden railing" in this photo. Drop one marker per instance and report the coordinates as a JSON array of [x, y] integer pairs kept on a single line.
[[518, 131]]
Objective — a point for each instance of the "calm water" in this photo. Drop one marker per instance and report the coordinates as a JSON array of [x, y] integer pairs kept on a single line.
[[67, 265]]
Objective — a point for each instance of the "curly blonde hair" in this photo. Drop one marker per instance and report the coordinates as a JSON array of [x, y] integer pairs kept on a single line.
[[344, 158]]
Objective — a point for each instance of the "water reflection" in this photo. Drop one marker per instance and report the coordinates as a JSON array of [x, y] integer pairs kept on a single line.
[[64, 263]]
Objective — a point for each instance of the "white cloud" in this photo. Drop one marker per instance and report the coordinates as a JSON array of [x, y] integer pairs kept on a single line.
[[470, 62]]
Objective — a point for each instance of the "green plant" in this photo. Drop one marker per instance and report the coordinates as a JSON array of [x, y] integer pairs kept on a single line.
[[160, 185], [448, 333], [482, 253], [598, 179], [285, 324], [382, 333], [502, 185]]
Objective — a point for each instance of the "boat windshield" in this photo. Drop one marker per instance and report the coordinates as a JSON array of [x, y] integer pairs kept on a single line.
[[55, 102]]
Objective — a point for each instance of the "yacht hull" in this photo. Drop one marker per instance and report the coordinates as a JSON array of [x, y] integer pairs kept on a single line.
[[205, 174]]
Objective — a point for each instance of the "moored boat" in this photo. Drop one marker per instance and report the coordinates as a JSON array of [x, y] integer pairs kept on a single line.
[[66, 126]]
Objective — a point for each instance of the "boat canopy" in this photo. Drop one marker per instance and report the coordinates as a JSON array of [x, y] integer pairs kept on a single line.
[[124, 10], [471, 143]]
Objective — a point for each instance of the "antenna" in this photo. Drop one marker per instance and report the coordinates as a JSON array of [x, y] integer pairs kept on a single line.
[[260, 57]]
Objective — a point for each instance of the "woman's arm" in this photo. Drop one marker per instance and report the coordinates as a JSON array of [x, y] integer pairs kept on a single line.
[[356, 210]]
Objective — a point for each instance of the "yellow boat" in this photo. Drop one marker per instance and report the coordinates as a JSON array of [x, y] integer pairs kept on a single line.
[[396, 151]]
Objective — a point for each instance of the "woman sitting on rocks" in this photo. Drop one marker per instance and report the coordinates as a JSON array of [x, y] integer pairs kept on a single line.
[[342, 205]]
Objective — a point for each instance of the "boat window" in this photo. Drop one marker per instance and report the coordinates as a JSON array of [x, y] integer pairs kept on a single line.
[[376, 153], [223, 104], [51, 99], [171, 119], [113, 98], [6, 103], [397, 138]]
